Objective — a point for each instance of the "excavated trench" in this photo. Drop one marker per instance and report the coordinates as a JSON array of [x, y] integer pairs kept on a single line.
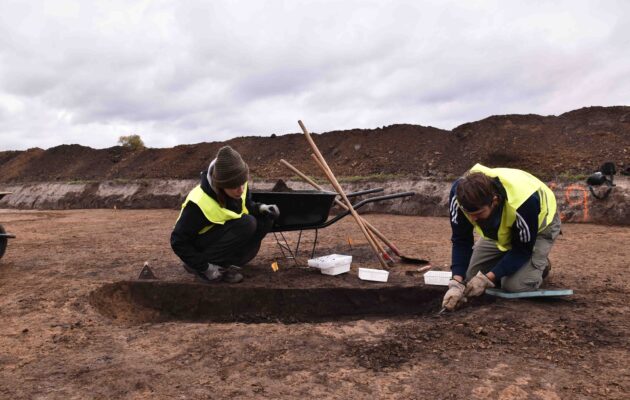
[[138, 302]]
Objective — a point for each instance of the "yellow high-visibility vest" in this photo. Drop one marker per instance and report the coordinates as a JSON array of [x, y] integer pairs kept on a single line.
[[211, 209], [519, 186]]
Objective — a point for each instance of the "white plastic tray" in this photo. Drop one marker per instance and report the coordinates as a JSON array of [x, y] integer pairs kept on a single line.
[[339, 269], [377, 275], [330, 261], [440, 278]]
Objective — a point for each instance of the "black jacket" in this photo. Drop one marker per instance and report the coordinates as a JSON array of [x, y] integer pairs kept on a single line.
[[192, 220]]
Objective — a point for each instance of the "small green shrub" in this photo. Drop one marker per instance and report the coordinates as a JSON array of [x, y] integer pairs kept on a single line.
[[133, 142]]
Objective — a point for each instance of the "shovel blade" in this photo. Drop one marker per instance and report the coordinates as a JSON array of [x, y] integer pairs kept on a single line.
[[411, 260]]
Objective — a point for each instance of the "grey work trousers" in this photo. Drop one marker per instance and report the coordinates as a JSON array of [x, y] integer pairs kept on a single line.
[[529, 277]]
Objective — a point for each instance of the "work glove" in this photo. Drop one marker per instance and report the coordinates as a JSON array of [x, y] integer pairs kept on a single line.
[[213, 273], [454, 296], [270, 209], [477, 285]]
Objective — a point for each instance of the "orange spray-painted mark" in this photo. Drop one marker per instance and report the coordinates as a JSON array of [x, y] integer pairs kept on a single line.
[[576, 201], [563, 216]]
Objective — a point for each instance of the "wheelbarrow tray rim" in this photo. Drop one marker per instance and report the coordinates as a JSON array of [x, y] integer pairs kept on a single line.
[[299, 209]]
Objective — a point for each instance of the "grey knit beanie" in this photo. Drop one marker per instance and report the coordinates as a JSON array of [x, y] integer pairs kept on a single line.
[[230, 171]]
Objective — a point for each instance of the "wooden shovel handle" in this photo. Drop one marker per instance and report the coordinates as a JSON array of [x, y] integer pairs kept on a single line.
[[371, 227], [339, 190], [371, 233]]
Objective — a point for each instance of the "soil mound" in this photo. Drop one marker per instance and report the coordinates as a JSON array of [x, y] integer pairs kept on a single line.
[[574, 143]]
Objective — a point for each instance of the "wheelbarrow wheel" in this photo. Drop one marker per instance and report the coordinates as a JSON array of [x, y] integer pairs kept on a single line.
[[3, 242]]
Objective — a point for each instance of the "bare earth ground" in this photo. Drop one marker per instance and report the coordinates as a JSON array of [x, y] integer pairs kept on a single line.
[[55, 344]]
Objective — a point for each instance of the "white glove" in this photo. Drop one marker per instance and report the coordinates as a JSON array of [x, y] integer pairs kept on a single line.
[[213, 273], [454, 297], [478, 284], [270, 209]]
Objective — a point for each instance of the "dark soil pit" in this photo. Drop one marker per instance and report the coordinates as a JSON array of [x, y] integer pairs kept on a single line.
[[156, 301]]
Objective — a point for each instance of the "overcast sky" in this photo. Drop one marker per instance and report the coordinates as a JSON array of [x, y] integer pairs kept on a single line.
[[181, 72]]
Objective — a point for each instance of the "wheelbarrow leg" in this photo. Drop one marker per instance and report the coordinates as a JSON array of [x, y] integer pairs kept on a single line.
[[314, 244], [284, 245], [4, 240]]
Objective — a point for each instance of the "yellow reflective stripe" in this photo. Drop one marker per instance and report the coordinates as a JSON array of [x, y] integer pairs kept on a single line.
[[211, 209], [544, 210], [551, 205], [204, 230], [519, 186]]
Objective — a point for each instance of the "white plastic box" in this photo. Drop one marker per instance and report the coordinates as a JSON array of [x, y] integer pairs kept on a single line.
[[440, 278], [377, 275], [339, 269], [330, 261], [332, 264]]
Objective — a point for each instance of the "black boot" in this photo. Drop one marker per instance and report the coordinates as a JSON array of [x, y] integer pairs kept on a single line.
[[231, 274], [547, 269]]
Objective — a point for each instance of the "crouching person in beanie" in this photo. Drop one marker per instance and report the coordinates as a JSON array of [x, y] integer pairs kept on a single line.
[[516, 218], [220, 228]]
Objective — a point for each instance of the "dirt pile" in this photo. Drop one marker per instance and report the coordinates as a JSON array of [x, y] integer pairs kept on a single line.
[[574, 143]]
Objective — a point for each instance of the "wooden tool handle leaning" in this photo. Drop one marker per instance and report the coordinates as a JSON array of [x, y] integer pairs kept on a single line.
[[339, 190], [380, 248]]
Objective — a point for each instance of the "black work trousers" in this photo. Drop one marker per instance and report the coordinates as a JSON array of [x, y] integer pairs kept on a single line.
[[236, 242]]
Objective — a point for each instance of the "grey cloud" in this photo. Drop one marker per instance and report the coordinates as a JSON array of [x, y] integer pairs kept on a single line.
[[183, 72]]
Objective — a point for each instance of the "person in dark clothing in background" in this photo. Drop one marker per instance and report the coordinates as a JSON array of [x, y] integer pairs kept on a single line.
[[220, 228], [516, 216]]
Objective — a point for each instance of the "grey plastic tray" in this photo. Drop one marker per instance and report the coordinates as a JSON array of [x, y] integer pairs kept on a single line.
[[534, 293]]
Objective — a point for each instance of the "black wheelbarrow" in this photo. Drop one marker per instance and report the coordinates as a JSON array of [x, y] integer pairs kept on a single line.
[[302, 210], [4, 236]]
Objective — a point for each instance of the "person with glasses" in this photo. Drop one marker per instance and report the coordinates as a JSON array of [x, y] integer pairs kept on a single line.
[[516, 218]]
